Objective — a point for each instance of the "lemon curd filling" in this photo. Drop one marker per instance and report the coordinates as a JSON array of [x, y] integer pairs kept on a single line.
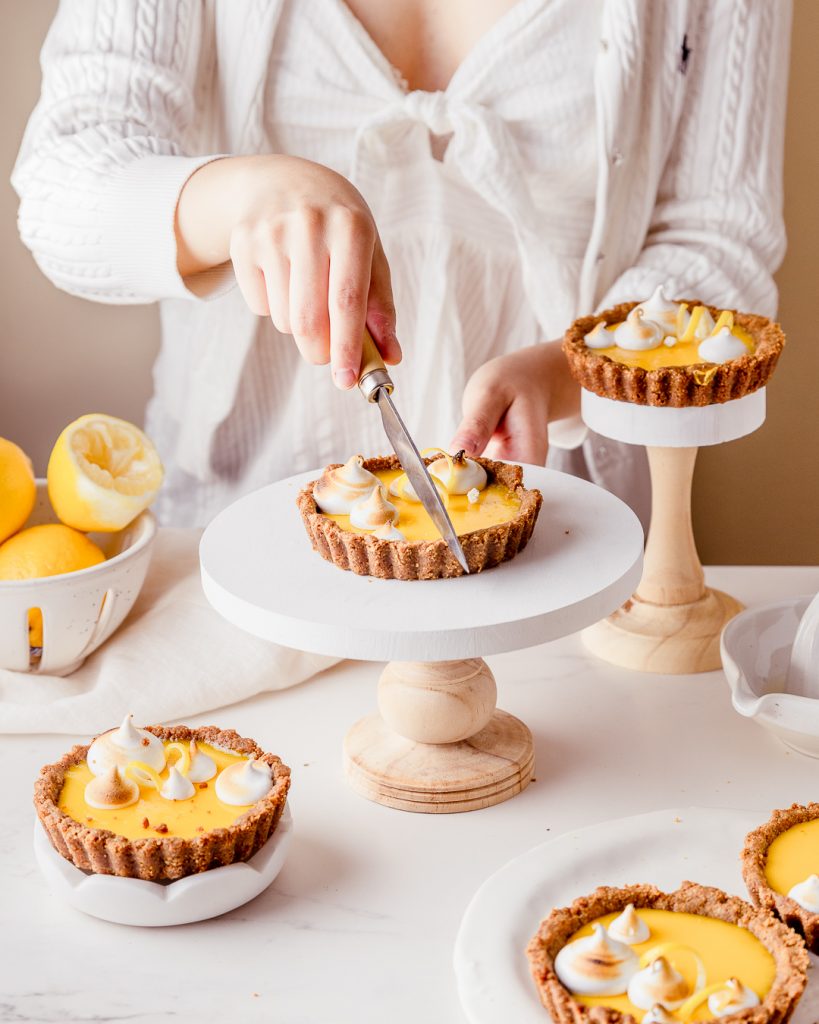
[[724, 949], [683, 353], [203, 812], [495, 504], [793, 856]]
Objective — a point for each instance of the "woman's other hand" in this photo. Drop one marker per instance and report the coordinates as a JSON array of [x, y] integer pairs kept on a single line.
[[305, 250], [509, 401]]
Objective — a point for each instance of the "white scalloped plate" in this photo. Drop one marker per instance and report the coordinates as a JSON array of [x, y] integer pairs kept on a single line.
[[664, 848], [156, 904]]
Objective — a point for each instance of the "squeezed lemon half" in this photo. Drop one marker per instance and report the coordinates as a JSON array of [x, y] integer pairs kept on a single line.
[[102, 473]]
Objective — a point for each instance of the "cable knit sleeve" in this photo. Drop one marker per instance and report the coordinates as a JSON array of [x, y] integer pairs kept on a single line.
[[717, 230], [108, 149]]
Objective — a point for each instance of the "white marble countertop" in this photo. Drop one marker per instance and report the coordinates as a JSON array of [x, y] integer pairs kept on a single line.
[[360, 924]]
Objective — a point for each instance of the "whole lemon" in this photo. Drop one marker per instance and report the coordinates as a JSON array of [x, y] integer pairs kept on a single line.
[[102, 473], [18, 491], [47, 550]]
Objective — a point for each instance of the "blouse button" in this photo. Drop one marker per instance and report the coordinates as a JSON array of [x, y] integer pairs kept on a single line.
[[617, 157]]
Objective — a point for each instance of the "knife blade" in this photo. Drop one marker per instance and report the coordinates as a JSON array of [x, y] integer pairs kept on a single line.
[[377, 387]]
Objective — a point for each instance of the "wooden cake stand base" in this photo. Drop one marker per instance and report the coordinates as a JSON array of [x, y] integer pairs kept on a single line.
[[438, 745], [673, 622]]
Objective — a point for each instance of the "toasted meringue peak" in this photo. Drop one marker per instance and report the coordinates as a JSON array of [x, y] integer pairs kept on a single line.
[[599, 337], [721, 347], [636, 334], [110, 791], [338, 490], [661, 311], [596, 965], [659, 1015], [459, 474], [373, 511], [244, 782], [202, 766], [127, 743], [629, 927], [387, 531], [177, 786], [658, 983], [732, 998], [806, 894]]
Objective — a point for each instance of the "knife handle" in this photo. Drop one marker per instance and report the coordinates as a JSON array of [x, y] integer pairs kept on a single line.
[[373, 374]]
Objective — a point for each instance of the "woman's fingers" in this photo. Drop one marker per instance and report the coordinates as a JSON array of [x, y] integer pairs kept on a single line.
[[351, 253], [484, 406], [309, 283], [249, 275], [522, 435], [276, 270], [381, 307]]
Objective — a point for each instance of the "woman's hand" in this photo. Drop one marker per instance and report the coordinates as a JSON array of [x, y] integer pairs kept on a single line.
[[304, 248], [509, 401]]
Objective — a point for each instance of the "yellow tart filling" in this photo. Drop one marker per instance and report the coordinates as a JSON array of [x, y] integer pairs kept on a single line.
[[203, 812], [683, 353], [705, 951], [793, 856], [495, 504]]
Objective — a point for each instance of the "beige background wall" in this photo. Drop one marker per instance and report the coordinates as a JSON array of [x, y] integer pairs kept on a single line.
[[755, 500]]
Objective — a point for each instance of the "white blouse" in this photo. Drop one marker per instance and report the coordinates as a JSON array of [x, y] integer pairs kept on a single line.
[[581, 154]]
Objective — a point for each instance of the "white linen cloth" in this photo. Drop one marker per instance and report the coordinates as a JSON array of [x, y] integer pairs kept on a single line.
[[688, 120], [173, 656]]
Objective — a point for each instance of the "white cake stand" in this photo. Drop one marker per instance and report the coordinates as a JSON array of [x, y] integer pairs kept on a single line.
[[673, 621], [439, 744]]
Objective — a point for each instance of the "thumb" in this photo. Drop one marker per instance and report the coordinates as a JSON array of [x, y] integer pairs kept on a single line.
[[483, 410]]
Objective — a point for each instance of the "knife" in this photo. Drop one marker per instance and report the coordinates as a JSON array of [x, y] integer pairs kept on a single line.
[[377, 387]]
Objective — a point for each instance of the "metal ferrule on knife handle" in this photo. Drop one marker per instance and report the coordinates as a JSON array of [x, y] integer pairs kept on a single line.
[[373, 373]]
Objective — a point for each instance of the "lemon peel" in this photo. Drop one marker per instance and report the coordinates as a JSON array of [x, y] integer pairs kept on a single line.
[[143, 775], [694, 1002], [183, 762], [664, 948], [725, 319], [693, 323]]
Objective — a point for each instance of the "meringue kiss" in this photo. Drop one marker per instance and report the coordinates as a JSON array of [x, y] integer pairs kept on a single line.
[[596, 965], [339, 489]]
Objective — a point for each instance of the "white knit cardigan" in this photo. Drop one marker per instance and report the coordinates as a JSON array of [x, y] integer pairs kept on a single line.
[[690, 98]]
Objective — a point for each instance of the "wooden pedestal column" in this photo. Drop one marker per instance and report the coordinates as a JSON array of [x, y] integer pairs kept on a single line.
[[673, 621], [439, 745]]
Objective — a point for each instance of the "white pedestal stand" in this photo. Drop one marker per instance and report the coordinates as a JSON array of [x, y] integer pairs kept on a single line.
[[672, 623], [438, 744]]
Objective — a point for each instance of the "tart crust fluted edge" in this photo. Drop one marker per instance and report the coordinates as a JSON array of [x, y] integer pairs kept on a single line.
[[787, 949], [754, 856], [674, 386], [367, 555], [162, 858]]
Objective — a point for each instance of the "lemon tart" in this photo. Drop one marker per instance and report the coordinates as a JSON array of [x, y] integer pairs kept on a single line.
[[780, 865], [619, 956], [672, 353], [161, 803], [365, 517]]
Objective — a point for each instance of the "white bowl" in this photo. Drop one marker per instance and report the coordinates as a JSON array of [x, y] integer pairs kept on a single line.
[[756, 652], [80, 609]]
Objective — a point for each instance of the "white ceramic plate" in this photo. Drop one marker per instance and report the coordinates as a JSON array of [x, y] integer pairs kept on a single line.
[[155, 904], [664, 847]]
